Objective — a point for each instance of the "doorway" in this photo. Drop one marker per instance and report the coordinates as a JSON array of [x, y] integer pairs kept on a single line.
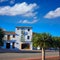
[[7, 45], [13, 45], [25, 46]]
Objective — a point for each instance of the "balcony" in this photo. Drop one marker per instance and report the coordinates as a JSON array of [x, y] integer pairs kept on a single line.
[[22, 38]]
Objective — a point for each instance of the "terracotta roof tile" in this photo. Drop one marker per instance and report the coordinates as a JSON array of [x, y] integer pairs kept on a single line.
[[9, 33]]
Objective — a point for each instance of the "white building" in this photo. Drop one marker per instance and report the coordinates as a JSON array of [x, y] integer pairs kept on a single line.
[[20, 39]]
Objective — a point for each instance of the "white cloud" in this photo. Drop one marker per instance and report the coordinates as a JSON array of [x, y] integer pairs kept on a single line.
[[22, 9], [28, 14], [12, 1], [28, 22], [35, 17], [3, 1], [53, 14]]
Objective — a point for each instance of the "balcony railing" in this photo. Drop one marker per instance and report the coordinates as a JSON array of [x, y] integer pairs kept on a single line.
[[22, 38]]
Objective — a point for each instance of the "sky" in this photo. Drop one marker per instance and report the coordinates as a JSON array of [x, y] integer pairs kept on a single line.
[[41, 15]]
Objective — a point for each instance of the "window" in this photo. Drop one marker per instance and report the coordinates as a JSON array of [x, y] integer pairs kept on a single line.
[[17, 28], [28, 37], [13, 36], [22, 32], [28, 29]]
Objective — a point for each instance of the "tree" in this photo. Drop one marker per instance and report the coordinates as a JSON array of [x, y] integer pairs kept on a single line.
[[56, 43], [1, 36], [34, 39], [44, 40]]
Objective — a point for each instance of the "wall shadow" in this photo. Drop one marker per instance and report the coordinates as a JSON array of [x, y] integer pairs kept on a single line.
[[16, 50]]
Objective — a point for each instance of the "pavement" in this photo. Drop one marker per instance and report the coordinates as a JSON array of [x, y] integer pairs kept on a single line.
[[27, 55]]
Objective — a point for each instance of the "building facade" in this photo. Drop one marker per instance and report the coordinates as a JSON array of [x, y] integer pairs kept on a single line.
[[20, 39]]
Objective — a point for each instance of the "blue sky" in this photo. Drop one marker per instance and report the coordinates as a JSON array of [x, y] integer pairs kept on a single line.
[[42, 15]]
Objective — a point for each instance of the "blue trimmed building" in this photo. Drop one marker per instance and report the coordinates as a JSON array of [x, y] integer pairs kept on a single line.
[[20, 39]]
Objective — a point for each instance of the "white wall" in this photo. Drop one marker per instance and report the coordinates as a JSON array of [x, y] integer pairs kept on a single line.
[[18, 34], [11, 37], [18, 37], [5, 37]]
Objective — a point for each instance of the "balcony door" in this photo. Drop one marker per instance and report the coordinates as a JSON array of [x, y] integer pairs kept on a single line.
[[8, 37]]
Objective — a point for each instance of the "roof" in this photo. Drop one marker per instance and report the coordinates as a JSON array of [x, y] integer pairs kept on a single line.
[[23, 27], [9, 33]]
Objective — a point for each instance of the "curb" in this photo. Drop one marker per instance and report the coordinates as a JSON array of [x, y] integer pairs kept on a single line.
[[39, 58]]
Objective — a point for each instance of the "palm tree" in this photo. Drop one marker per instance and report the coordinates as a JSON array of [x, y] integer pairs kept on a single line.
[[44, 40]]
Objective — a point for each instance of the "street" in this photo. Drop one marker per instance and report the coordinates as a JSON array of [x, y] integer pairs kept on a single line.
[[10, 56]]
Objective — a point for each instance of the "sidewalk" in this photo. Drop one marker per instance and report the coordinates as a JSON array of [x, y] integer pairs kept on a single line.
[[39, 58]]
